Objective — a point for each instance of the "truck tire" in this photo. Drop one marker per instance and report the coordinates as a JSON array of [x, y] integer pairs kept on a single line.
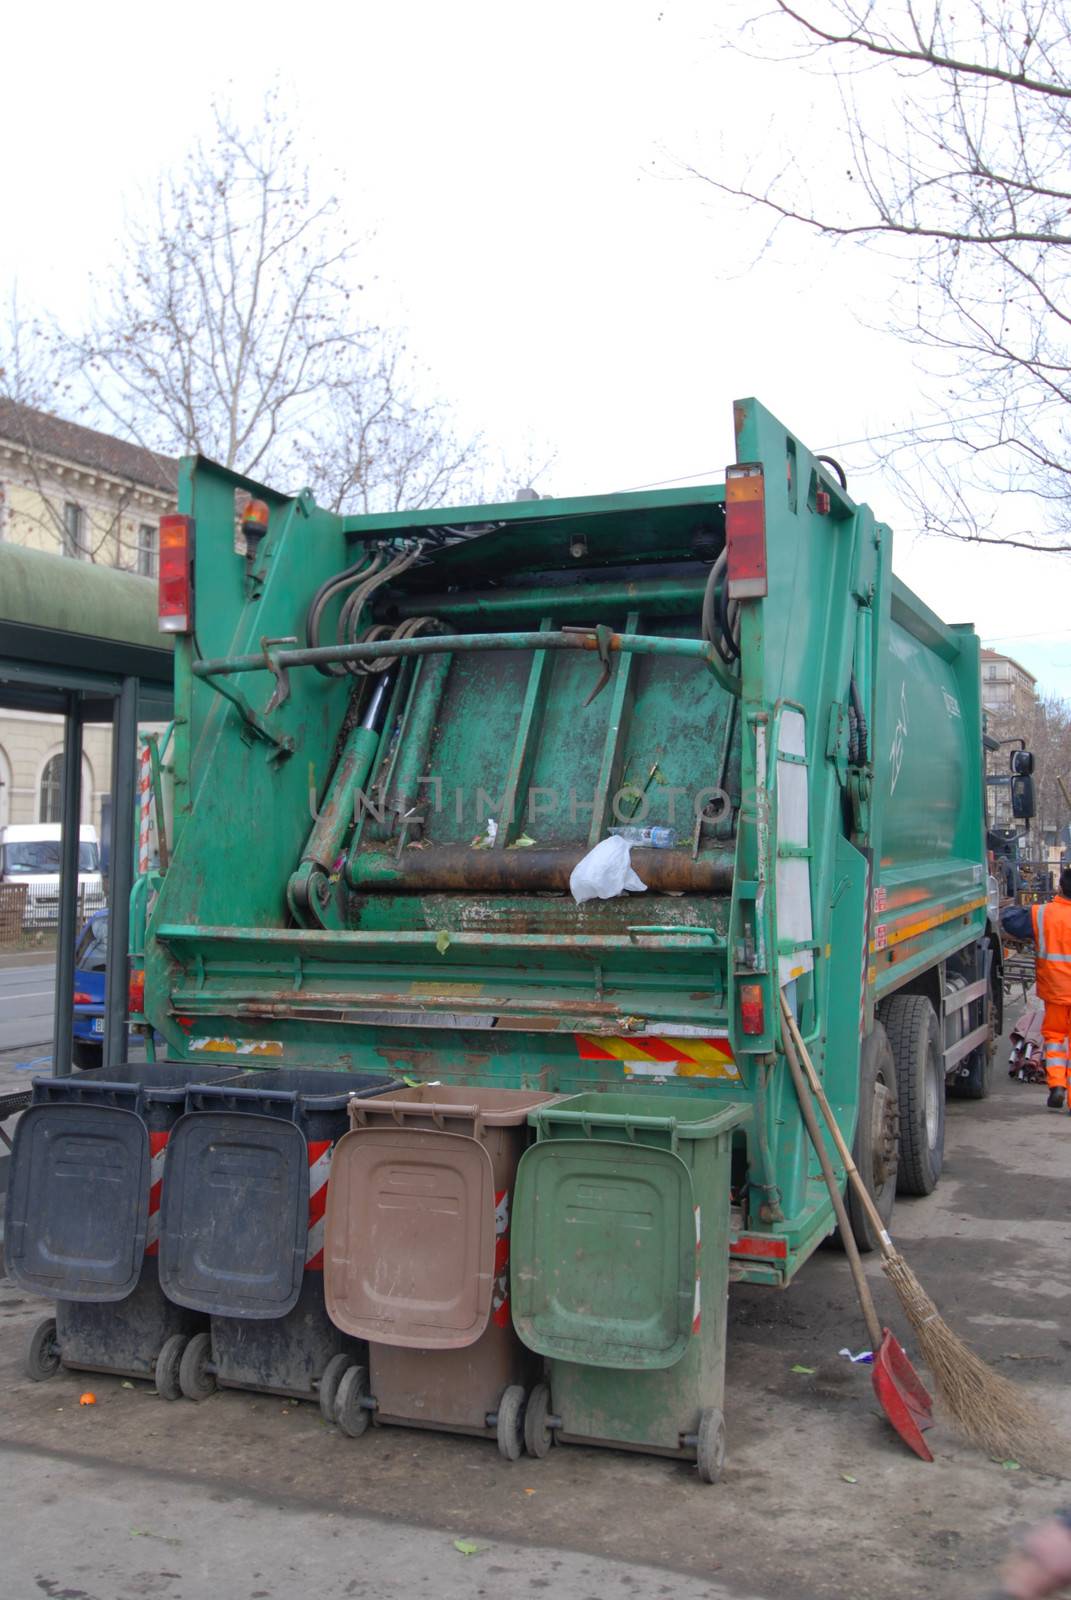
[[875, 1147], [911, 1024]]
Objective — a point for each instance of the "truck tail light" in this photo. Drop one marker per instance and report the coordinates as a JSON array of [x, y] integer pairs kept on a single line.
[[752, 1016], [175, 609], [745, 530], [135, 995], [80, 998]]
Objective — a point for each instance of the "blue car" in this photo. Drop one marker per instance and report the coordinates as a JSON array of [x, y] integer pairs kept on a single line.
[[90, 965]]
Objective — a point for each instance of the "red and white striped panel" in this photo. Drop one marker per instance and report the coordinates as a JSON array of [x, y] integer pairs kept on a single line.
[[320, 1152], [157, 1150], [144, 809], [697, 1309]]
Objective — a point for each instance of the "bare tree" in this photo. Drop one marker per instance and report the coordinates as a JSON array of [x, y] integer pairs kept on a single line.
[[956, 160], [379, 449], [233, 331]]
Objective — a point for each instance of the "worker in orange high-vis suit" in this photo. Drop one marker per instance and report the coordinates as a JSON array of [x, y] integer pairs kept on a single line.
[[1048, 927]]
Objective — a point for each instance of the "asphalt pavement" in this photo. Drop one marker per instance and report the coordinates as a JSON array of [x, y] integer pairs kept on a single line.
[[26, 998]]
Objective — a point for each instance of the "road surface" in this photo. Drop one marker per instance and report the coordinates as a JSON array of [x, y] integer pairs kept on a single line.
[[26, 997]]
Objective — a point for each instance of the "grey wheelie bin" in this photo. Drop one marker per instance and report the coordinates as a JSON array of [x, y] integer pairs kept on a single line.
[[620, 1272], [416, 1261], [242, 1226], [83, 1211]]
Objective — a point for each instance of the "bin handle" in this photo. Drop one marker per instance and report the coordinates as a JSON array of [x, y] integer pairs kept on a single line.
[[400, 1110], [629, 1123]]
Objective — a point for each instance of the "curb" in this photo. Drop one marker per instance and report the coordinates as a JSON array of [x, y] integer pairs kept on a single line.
[[28, 958]]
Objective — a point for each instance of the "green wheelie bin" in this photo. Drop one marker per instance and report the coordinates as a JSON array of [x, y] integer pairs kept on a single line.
[[620, 1269]]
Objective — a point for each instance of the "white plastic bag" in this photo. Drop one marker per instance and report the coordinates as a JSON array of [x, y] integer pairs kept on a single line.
[[604, 872]]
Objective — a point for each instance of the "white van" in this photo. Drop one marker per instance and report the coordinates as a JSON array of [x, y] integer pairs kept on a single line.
[[30, 854]]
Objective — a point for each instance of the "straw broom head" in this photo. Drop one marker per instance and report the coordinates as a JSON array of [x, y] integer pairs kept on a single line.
[[989, 1410]]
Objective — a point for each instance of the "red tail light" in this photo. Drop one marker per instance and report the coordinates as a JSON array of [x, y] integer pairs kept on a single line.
[[135, 998], [175, 610], [745, 530], [82, 999], [752, 1016]]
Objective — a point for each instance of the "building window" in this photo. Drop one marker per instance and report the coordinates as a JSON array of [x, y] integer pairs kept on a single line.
[[147, 549], [74, 519], [50, 804]]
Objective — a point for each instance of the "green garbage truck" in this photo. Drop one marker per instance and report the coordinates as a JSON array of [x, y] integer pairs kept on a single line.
[[562, 795]]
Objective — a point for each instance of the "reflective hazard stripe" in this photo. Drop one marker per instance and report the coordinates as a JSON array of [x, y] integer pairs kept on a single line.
[[1041, 931], [696, 1303], [157, 1151], [320, 1153], [646, 1055]]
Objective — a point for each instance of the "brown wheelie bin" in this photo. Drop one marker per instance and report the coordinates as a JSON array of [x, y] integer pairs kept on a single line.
[[416, 1261]]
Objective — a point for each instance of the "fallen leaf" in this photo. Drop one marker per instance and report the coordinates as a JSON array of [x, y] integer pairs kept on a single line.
[[524, 842], [467, 1547], [442, 941], [804, 1369], [529, 1491], [126, 1384], [1010, 1465], [848, 1478]]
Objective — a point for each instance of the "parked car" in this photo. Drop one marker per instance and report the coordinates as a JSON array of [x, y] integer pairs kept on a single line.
[[90, 965]]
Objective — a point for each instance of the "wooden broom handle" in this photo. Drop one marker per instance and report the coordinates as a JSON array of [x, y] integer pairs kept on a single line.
[[854, 1175], [851, 1249]]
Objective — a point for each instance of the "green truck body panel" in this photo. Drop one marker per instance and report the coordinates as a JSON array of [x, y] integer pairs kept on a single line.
[[811, 853]]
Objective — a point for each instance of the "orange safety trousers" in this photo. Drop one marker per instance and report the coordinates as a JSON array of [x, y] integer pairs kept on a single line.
[[1054, 1030]]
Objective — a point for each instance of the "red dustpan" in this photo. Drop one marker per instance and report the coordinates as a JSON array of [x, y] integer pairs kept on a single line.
[[901, 1394], [900, 1391]]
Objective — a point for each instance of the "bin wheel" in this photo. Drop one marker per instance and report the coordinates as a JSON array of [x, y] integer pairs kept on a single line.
[[710, 1445], [510, 1426], [42, 1352], [330, 1378], [195, 1380], [168, 1365], [538, 1438], [352, 1417]]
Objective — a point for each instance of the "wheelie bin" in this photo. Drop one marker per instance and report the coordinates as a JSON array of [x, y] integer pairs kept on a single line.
[[83, 1212], [416, 1261], [620, 1272], [242, 1228]]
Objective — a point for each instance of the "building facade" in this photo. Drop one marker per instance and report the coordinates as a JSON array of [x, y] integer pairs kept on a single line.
[[71, 491]]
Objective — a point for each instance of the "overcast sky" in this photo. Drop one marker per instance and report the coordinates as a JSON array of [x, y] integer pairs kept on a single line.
[[566, 285]]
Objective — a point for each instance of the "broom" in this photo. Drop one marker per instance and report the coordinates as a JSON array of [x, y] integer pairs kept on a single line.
[[989, 1410]]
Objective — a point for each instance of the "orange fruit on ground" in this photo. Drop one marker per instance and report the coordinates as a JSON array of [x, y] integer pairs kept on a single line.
[[87, 1399]]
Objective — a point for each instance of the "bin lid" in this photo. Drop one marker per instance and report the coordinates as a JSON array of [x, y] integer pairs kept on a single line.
[[603, 1253], [450, 1103], [78, 1201], [234, 1214], [409, 1247]]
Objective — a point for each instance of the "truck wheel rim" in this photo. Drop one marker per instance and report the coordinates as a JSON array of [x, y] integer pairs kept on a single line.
[[885, 1135]]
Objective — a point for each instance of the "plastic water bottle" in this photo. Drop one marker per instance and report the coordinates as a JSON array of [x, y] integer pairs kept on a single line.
[[653, 837]]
